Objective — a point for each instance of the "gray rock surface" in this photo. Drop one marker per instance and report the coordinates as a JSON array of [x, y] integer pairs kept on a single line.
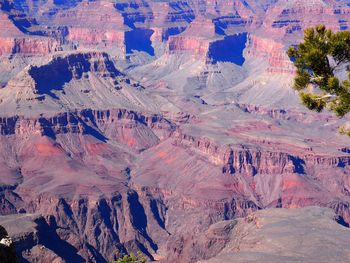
[[307, 235], [122, 129]]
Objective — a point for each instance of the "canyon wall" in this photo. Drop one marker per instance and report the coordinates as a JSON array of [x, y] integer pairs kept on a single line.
[[142, 125]]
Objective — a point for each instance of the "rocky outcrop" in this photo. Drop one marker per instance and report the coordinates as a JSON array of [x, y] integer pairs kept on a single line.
[[78, 224], [251, 162], [192, 45], [100, 124], [90, 37], [140, 216], [274, 52], [135, 12], [14, 41], [61, 70], [258, 237], [290, 114], [92, 24], [286, 18], [35, 46], [73, 81], [168, 134], [195, 39], [180, 11], [28, 46], [98, 230]]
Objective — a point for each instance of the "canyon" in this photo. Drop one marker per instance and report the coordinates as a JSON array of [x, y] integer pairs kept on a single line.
[[160, 126]]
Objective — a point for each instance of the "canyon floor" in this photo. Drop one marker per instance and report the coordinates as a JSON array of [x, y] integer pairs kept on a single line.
[[158, 126]]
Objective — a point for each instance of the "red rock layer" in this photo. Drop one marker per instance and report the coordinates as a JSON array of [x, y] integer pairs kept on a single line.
[[195, 39], [273, 51], [13, 41]]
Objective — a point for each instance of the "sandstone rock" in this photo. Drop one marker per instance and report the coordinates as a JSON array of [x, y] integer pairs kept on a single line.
[[120, 131], [195, 39], [13, 41]]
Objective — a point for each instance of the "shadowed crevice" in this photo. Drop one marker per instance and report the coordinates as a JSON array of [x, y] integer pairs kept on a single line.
[[298, 164], [139, 39], [53, 76], [340, 220], [52, 241], [157, 214], [139, 218]]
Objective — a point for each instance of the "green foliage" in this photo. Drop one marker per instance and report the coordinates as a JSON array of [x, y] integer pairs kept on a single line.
[[344, 131], [132, 258], [312, 101], [317, 59]]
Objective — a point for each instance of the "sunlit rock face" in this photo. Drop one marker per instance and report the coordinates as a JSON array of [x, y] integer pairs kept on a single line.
[[147, 126], [13, 41]]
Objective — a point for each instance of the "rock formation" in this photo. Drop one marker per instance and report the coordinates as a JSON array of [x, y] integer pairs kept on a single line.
[[154, 126], [274, 235]]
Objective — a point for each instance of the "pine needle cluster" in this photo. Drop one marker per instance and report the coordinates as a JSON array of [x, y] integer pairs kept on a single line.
[[318, 59], [132, 258]]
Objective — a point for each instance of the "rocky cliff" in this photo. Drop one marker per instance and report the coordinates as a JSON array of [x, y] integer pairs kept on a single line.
[[154, 126]]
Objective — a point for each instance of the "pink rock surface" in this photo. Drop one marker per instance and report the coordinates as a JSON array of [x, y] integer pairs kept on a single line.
[[195, 40], [93, 23], [271, 50], [110, 153], [12, 40]]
